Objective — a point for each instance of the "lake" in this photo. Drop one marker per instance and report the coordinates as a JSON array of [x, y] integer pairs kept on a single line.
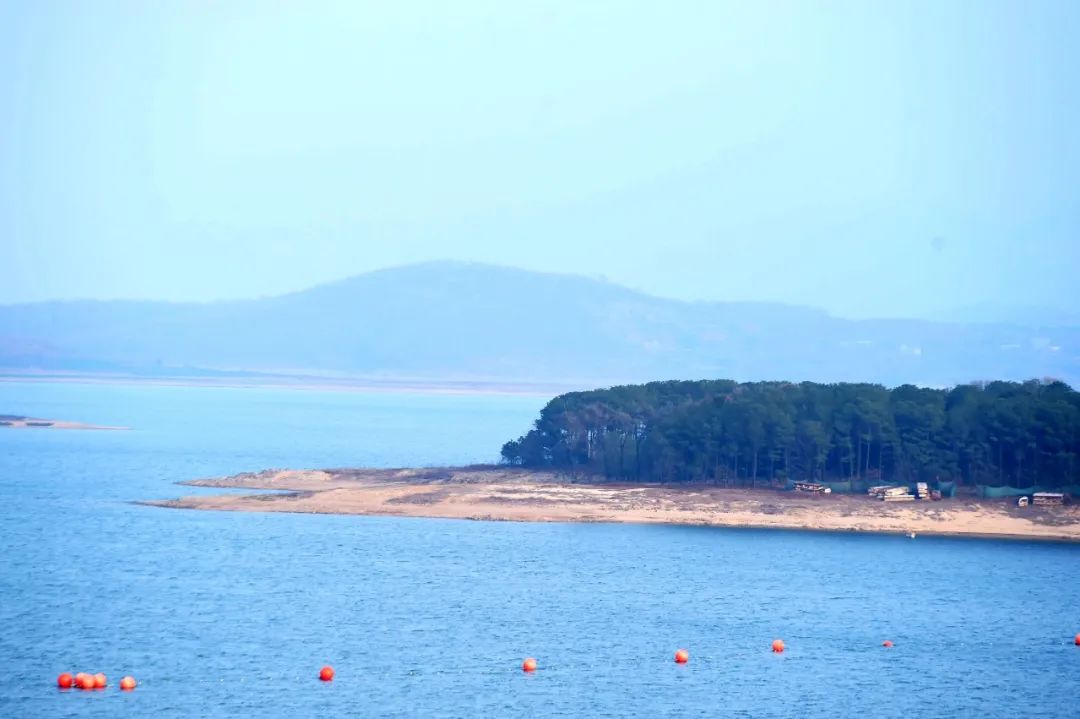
[[229, 614]]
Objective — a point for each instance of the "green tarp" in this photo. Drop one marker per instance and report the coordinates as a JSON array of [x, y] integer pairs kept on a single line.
[[988, 492], [854, 485]]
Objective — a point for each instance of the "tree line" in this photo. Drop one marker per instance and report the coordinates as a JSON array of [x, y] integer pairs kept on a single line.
[[743, 434]]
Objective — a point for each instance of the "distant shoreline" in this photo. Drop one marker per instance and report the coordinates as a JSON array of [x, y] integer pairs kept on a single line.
[[312, 383], [513, 494], [9, 421]]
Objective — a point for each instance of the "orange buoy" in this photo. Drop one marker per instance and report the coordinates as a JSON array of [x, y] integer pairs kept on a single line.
[[778, 645], [529, 665], [886, 643], [127, 683], [65, 681], [100, 682], [326, 674], [682, 656], [84, 680]]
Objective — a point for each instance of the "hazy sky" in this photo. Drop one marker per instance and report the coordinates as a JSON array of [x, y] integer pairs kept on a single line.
[[872, 158]]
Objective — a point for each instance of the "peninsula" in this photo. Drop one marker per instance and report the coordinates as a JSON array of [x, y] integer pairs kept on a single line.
[[729, 454], [517, 494]]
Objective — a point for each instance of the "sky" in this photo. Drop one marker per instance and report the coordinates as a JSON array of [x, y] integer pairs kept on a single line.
[[894, 158]]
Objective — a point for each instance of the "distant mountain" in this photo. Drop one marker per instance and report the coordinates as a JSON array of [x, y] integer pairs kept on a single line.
[[1025, 315], [469, 321]]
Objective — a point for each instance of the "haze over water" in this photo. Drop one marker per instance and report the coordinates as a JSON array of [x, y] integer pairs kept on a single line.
[[228, 614]]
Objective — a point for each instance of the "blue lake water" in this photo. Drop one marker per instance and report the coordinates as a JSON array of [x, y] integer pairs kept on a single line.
[[231, 614]]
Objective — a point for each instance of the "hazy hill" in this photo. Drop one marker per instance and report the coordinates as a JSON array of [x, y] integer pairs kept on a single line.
[[458, 321], [1026, 315]]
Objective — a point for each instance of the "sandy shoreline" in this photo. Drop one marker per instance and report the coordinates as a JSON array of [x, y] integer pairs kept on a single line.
[[510, 494], [387, 385]]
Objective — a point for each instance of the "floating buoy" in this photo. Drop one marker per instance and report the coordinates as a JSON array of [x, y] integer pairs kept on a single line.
[[84, 680], [529, 665], [326, 674], [682, 656], [778, 645], [1077, 640], [886, 643], [100, 681], [127, 684], [65, 681]]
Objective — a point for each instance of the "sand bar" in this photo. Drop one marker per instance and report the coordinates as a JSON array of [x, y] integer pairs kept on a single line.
[[13, 421], [510, 494]]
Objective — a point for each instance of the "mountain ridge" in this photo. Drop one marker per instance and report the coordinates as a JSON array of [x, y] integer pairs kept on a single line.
[[454, 318]]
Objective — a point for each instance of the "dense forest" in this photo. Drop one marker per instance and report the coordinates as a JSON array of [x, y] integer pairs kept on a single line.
[[996, 434]]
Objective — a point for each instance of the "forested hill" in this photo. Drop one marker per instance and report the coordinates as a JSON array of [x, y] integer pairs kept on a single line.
[[447, 321], [1001, 433]]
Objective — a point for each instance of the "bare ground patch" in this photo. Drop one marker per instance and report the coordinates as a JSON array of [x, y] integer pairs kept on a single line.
[[420, 498]]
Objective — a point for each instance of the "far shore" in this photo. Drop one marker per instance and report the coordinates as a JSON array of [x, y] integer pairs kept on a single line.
[[514, 494], [241, 380], [9, 421]]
